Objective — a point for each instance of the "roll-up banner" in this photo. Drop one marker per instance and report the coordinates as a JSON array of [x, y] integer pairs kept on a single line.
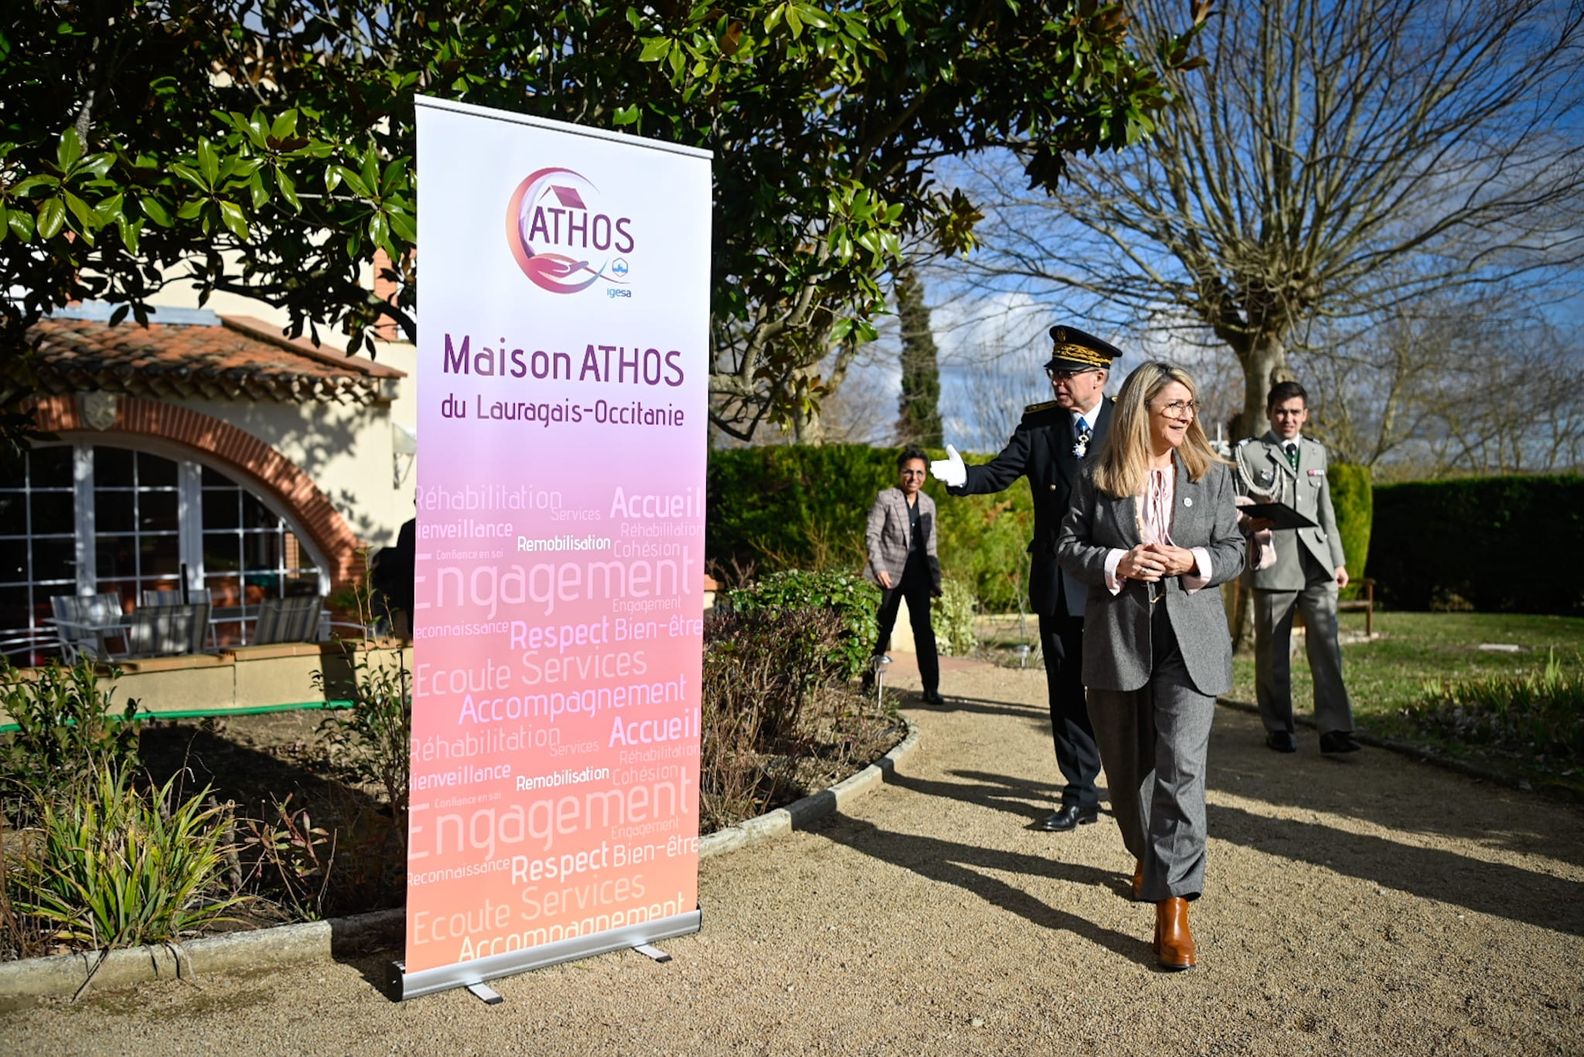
[[558, 632]]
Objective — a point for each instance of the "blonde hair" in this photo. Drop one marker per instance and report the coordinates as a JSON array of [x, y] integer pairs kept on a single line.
[[1123, 463]]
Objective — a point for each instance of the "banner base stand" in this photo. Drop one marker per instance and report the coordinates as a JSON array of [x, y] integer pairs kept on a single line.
[[649, 950], [486, 994], [402, 985]]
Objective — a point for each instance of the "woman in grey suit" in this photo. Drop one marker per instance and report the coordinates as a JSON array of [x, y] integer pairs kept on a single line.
[[1153, 525], [900, 542]]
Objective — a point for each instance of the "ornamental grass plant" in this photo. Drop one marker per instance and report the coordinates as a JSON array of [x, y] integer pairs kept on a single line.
[[123, 866]]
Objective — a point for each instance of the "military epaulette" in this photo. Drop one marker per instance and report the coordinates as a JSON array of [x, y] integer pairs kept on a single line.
[[1040, 410]]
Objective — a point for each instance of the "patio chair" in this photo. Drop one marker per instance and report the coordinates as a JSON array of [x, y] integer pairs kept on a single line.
[[81, 622], [288, 620], [164, 631], [195, 595], [26, 647], [174, 598]]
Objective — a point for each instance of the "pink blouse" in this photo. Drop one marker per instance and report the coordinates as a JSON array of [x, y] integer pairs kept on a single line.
[[1154, 526]]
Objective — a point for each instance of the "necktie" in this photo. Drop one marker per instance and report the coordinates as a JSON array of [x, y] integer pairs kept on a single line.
[[1081, 445], [1292, 454]]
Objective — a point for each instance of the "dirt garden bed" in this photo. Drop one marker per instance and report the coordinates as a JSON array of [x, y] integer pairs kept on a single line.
[[336, 847]]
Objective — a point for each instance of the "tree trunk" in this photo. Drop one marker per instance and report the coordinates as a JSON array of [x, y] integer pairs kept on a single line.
[[1264, 361], [807, 428]]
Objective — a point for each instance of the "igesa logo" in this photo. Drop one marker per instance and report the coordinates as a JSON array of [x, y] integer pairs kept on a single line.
[[561, 243]]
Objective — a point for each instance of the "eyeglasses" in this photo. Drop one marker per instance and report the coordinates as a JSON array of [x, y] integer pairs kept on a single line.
[[1067, 376], [1179, 408]]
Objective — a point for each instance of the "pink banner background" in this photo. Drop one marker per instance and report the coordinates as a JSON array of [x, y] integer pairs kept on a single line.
[[558, 630]]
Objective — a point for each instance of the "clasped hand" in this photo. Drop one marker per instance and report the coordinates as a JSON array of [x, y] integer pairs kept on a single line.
[[1152, 562]]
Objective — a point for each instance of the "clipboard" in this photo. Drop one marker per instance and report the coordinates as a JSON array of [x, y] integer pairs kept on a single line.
[[1280, 515]]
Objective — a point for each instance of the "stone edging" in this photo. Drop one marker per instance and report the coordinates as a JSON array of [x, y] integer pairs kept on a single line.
[[797, 815], [316, 941]]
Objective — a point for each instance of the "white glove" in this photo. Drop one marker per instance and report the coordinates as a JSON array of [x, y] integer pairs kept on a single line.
[[950, 471]]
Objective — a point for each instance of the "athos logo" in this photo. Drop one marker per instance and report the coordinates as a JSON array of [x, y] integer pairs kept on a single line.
[[559, 242]]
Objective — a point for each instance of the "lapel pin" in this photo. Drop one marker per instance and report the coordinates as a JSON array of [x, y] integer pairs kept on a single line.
[[1187, 500]]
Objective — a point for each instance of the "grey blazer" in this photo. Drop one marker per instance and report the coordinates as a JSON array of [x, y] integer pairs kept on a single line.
[[886, 535], [1116, 642], [1265, 475]]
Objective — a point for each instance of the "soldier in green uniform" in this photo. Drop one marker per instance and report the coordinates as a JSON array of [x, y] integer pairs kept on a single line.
[[1283, 466]]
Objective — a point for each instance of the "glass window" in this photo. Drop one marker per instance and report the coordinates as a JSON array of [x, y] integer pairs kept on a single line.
[[155, 472], [51, 467], [157, 511], [220, 507], [248, 553], [53, 512], [113, 468], [54, 558], [38, 531], [114, 510], [13, 513]]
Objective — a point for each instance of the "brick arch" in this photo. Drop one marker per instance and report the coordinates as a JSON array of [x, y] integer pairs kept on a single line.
[[242, 454]]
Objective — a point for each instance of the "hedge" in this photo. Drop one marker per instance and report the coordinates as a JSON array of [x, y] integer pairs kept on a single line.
[[791, 507], [800, 507], [1488, 543], [1352, 499]]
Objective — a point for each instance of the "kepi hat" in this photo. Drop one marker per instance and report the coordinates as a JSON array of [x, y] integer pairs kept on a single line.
[[1073, 350]]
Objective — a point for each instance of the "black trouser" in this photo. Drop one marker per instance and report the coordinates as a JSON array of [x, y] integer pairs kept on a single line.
[[1061, 641], [915, 587]]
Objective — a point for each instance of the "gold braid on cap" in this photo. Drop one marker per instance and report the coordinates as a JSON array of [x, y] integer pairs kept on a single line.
[[1066, 350]]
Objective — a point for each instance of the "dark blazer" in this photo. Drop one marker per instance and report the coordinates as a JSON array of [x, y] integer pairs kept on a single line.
[[886, 536], [1041, 449], [1116, 651]]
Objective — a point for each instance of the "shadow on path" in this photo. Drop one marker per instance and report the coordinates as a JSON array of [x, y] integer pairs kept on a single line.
[[1468, 808], [1016, 796], [1035, 714], [961, 865], [1430, 873]]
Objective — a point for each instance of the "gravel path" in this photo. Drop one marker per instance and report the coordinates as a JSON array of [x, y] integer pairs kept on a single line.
[[1371, 906]]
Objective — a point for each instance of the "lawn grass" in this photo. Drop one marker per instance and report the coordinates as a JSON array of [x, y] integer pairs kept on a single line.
[[1389, 673]]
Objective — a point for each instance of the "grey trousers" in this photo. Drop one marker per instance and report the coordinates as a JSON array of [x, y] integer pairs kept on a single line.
[[1153, 743], [1273, 621]]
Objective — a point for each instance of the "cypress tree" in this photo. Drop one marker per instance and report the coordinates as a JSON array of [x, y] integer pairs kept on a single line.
[[918, 410]]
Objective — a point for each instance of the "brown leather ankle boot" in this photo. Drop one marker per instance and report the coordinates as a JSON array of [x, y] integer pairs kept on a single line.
[[1138, 880], [1174, 943]]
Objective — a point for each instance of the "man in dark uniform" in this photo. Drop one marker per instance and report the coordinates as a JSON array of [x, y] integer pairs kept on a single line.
[[1049, 447]]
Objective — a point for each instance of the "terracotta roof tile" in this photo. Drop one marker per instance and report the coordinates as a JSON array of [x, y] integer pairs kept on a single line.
[[227, 359]]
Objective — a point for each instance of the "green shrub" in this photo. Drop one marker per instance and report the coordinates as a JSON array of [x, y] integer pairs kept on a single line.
[[1473, 544], [852, 599], [954, 619], [65, 734], [983, 541], [787, 507], [1353, 499], [374, 735], [119, 867], [1532, 713]]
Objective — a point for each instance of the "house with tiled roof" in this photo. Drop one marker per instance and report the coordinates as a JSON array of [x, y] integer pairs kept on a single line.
[[203, 451]]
